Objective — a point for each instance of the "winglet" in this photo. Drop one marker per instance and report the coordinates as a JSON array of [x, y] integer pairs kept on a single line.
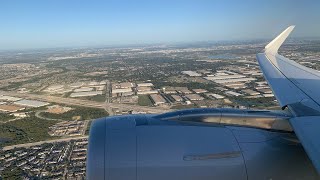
[[275, 44]]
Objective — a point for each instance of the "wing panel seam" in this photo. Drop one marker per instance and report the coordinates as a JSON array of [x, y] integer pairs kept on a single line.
[[266, 55]]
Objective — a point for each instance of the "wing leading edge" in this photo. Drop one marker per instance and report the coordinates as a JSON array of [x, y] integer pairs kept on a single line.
[[296, 87]]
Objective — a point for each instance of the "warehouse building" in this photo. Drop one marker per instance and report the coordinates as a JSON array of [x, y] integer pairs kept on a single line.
[[235, 85], [147, 92], [145, 85], [231, 93], [234, 80], [122, 92], [191, 73], [250, 92], [216, 96], [157, 99], [185, 91], [265, 91], [144, 88], [177, 98], [31, 103], [224, 77], [123, 85], [198, 91], [268, 95], [194, 97], [84, 94]]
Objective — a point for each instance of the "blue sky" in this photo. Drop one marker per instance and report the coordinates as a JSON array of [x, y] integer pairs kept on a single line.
[[65, 23]]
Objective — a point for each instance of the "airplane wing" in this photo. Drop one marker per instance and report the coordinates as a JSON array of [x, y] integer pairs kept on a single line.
[[296, 87]]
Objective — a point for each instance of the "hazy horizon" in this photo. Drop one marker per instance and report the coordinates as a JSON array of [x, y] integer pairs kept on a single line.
[[56, 24]]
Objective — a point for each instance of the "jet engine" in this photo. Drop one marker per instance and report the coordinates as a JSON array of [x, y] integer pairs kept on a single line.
[[197, 144]]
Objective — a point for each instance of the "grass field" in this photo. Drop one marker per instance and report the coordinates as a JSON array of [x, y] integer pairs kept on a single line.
[[98, 98], [144, 100]]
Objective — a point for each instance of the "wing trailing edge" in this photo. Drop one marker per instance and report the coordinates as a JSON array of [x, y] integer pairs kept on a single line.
[[296, 87]]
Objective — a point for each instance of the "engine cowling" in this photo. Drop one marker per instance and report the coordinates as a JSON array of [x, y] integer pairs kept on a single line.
[[195, 144]]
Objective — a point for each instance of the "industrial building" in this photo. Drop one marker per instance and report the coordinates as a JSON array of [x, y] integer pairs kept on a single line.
[[191, 73], [236, 85], [122, 89], [216, 96], [194, 97], [169, 91], [145, 85], [119, 91], [174, 90], [177, 98], [230, 79], [144, 88], [250, 92], [185, 91], [234, 80], [123, 85], [100, 87], [224, 77], [262, 83], [84, 94], [157, 99], [268, 95], [147, 92], [231, 93], [198, 91], [265, 90], [31, 103]]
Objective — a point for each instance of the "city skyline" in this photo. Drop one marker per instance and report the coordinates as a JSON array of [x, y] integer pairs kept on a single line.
[[50, 24]]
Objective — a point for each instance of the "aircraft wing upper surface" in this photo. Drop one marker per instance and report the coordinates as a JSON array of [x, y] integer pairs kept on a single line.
[[296, 87]]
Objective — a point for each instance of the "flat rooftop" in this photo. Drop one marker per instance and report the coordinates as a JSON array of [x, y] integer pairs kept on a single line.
[[31, 103], [194, 97], [145, 85], [88, 93], [158, 99], [191, 73]]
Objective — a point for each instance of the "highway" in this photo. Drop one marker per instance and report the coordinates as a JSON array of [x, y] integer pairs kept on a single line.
[[86, 103], [42, 142]]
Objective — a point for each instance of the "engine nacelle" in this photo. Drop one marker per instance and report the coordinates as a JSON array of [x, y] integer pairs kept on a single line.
[[197, 144]]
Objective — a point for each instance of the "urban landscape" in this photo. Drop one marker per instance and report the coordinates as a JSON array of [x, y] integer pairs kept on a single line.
[[49, 97]]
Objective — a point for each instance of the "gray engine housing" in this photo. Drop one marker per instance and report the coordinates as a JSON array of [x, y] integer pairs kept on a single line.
[[171, 146]]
